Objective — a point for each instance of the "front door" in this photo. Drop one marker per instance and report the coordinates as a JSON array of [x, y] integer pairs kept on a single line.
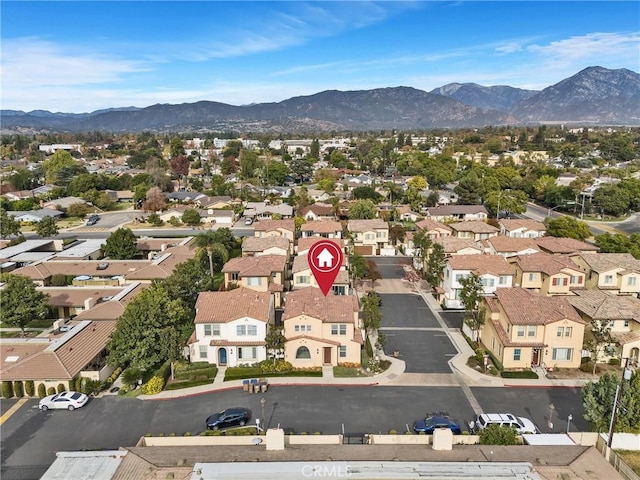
[[327, 355], [536, 357], [222, 356]]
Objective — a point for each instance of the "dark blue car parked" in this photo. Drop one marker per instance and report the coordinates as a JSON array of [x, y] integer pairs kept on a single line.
[[431, 422]]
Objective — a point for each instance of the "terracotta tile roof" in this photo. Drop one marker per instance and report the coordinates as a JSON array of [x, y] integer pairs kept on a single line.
[[545, 263], [315, 339], [523, 307], [522, 223], [260, 244], [357, 336], [603, 262], [602, 305], [322, 226], [76, 296], [301, 263], [320, 209], [305, 243], [505, 244], [61, 359], [262, 266], [429, 225], [481, 264], [453, 245], [330, 309], [623, 338], [475, 226], [564, 245], [271, 225], [367, 225], [448, 210], [84, 267], [223, 307], [156, 244]]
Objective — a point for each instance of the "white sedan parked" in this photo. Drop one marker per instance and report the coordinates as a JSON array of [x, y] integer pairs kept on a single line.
[[64, 400]]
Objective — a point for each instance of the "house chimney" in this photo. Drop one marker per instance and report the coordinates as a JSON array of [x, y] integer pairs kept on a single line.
[[89, 303]]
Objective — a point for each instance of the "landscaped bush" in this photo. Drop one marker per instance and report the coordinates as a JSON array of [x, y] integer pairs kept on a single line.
[[59, 280], [18, 389], [42, 390], [61, 388], [614, 361], [112, 378], [498, 435], [495, 361], [588, 367], [196, 374], [267, 369], [51, 391], [7, 389], [522, 374], [90, 387], [153, 386], [29, 388]]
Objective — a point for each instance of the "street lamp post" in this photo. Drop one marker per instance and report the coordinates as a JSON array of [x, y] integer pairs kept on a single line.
[[552, 209], [569, 418], [551, 410], [626, 375], [262, 403]]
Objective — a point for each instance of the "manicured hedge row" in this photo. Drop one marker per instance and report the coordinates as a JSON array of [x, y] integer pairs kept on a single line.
[[523, 374]]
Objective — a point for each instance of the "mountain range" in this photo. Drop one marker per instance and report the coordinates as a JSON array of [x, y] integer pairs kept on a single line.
[[593, 96]]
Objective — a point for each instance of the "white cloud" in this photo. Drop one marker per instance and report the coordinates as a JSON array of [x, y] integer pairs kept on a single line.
[[511, 47]]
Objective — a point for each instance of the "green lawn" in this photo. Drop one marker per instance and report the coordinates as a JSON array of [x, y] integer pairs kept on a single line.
[[347, 372]]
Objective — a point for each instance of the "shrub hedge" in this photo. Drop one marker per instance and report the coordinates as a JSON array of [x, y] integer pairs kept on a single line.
[[42, 390], [51, 391], [18, 389], [61, 388], [522, 374], [7, 389], [29, 388]]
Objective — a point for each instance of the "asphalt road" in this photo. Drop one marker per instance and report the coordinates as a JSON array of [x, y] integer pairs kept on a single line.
[[30, 438]]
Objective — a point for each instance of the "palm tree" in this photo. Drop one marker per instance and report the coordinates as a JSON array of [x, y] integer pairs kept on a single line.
[[209, 242]]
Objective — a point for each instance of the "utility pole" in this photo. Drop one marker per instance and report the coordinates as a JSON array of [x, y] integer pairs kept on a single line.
[[626, 375]]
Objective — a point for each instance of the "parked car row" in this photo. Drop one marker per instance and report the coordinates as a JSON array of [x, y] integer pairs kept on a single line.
[[435, 420]]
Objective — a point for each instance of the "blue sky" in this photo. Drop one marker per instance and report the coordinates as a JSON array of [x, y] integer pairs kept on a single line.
[[82, 56]]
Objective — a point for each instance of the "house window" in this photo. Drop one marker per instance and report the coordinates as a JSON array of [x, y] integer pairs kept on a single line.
[[203, 351], [339, 290], [521, 330], [631, 281], [516, 353], [576, 279], [560, 332], [488, 282], [343, 351], [531, 331], [247, 353], [446, 273], [302, 328], [503, 280], [626, 323], [560, 281], [340, 329], [252, 330], [562, 354], [208, 330], [608, 279], [241, 330], [459, 276], [369, 236], [568, 331], [303, 352], [381, 234], [216, 330], [254, 281], [235, 276], [304, 279], [532, 277]]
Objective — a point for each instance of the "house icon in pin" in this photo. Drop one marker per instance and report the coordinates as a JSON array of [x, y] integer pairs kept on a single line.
[[325, 259]]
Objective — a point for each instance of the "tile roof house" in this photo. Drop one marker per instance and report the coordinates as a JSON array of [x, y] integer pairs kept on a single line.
[[114, 308], [266, 273], [304, 244], [78, 353], [322, 228], [457, 212], [617, 272], [73, 300], [370, 237], [318, 211], [231, 326], [321, 330], [219, 202], [548, 274], [303, 277], [522, 228], [266, 211], [509, 246], [433, 229], [276, 228], [493, 270], [257, 246], [563, 246], [35, 216], [524, 329], [64, 202], [621, 312], [458, 246], [475, 230]]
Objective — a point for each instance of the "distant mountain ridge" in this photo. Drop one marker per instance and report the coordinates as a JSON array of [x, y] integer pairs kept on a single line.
[[595, 95]]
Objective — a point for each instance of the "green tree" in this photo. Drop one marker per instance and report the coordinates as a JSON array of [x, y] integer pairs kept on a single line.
[[363, 209], [569, 227], [495, 434], [370, 314], [397, 234], [121, 245], [619, 243], [598, 398], [175, 147], [210, 243], [53, 166], [276, 173], [435, 264], [47, 227], [470, 296], [327, 184], [78, 210], [418, 182], [357, 267], [8, 225], [364, 192], [469, 189], [314, 151], [150, 331], [612, 200], [191, 217], [599, 340], [513, 201], [21, 302], [189, 278], [301, 168], [422, 244], [274, 342], [155, 220]]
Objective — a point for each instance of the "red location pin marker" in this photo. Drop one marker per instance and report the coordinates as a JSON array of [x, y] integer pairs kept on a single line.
[[325, 260]]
